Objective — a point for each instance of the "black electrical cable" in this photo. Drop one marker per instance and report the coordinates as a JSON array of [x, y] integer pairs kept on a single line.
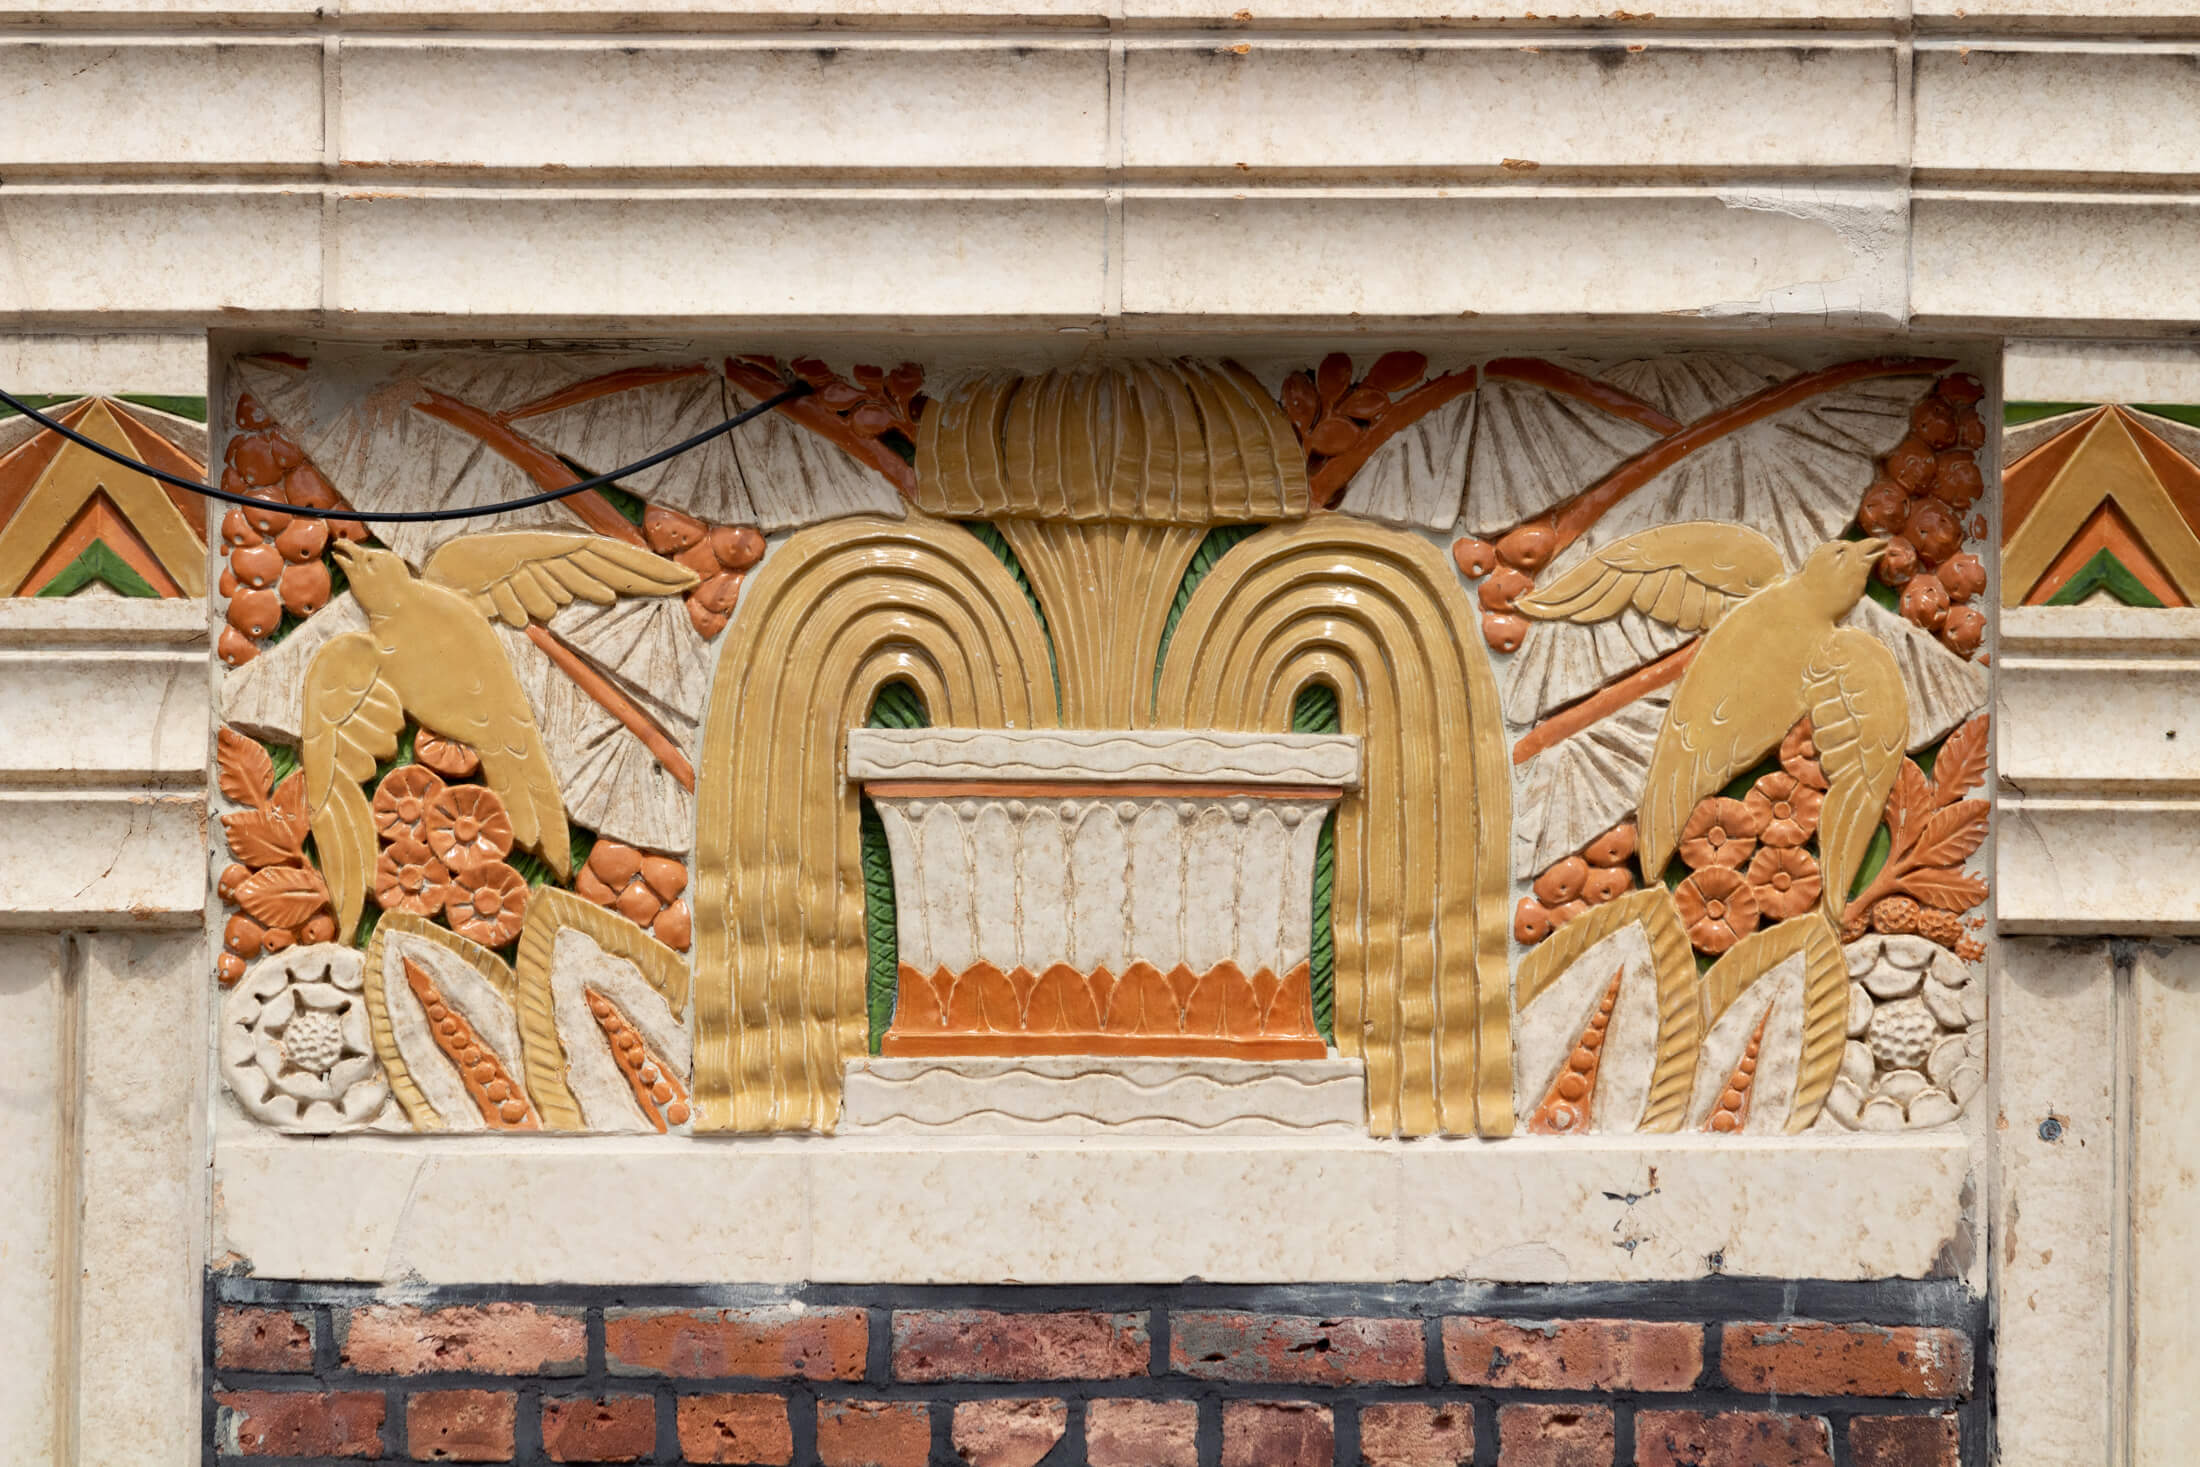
[[297, 511]]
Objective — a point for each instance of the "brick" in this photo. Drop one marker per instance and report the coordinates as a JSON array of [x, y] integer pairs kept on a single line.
[[460, 1426], [1731, 1439], [1277, 1434], [980, 1344], [1554, 1436], [770, 1344], [1008, 1433], [599, 1429], [1413, 1434], [1905, 1441], [1297, 1349], [263, 1339], [873, 1434], [1805, 1358], [1573, 1354], [752, 1430], [299, 1423], [1141, 1433], [489, 1339]]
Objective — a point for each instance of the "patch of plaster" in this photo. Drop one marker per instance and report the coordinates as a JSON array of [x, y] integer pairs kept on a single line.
[[1869, 226]]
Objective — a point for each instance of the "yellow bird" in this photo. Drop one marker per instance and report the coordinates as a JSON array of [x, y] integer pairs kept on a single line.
[[1771, 653], [429, 652]]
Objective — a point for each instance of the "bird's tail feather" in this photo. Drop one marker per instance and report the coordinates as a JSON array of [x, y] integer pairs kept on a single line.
[[530, 790], [343, 836]]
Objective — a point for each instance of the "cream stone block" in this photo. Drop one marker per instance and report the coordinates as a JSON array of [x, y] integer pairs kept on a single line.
[[1980, 256], [106, 361], [2054, 1214], [1079, 1096], [2098, 767], [35, 1238], [106, 715], [472, 1211], [1435, 102], [1105, 756], [74, 859], [1108, 1209], [83, 252], [1817, 252], [2060, 106], [84, 103], [1542, 1210], [141, 1200], [716, 105], [2165, 1208], [719, 254], [2092, 371]]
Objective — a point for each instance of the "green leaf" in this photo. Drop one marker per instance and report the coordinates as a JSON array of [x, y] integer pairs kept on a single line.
[[2104, 572], [2016, 414], [1315, 711], [991, 537], [99, 563], [1218, 543], [895, 706], [2176, 412], [403, 756], [1875, 857], [370, 916], [284, 758], [193, 408], [628, 505]]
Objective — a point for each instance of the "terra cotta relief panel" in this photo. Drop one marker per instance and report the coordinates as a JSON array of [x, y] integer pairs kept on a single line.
[[1556, 744]]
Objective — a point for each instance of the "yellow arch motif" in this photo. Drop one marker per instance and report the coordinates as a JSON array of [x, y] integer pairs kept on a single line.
[[1421, 875], [831, 616]]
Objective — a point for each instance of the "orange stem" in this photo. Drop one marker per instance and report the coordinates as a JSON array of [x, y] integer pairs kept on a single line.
[[617, 704], [761, 382], [1606, 700], [1329, 481], [1588, 389], [539, 464]]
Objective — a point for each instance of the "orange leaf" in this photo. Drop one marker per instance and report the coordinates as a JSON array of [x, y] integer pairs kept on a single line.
[[290, 806], [258, 839], [1951, 834], [1300, 402], [283, 896], [1334, 377], [1907, 805], [1951, 891], [1962, 762], [1332, 436], [1395, 371], [1364, 403], [246, 770]]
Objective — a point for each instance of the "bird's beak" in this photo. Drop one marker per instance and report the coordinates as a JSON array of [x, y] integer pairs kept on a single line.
[[1871, 550], [342, 550]]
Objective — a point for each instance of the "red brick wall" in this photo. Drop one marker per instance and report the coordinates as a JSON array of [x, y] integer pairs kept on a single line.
[[1419, 1376]]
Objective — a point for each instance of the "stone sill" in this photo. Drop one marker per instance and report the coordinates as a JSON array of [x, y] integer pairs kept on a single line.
[[989, 1210]]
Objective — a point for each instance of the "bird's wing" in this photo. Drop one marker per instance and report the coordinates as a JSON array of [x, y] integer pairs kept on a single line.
[[515, 761], [352, 720], [1859, 719], [1685, 575], [1730, 709], [528, 576]]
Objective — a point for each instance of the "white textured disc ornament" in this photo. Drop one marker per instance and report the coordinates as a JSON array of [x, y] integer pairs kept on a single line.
[[295, 1046], [1917, 1026]]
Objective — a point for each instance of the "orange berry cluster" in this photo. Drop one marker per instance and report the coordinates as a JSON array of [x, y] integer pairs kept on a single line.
[[276, 560], [1566, 1108], [644, 889], [1917, 503], [495, 1094], [1510, 566], [1733, 1107], [1574, 885], [243, 939], [719, 554]]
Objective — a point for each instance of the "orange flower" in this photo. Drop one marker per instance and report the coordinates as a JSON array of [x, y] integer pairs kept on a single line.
[[408, 878], [445, 756], [468, 827], [1785, 882], [1717, 908], [1786, 809], [489, 903], [1722, 832], [1799, 756], [401, 804]]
